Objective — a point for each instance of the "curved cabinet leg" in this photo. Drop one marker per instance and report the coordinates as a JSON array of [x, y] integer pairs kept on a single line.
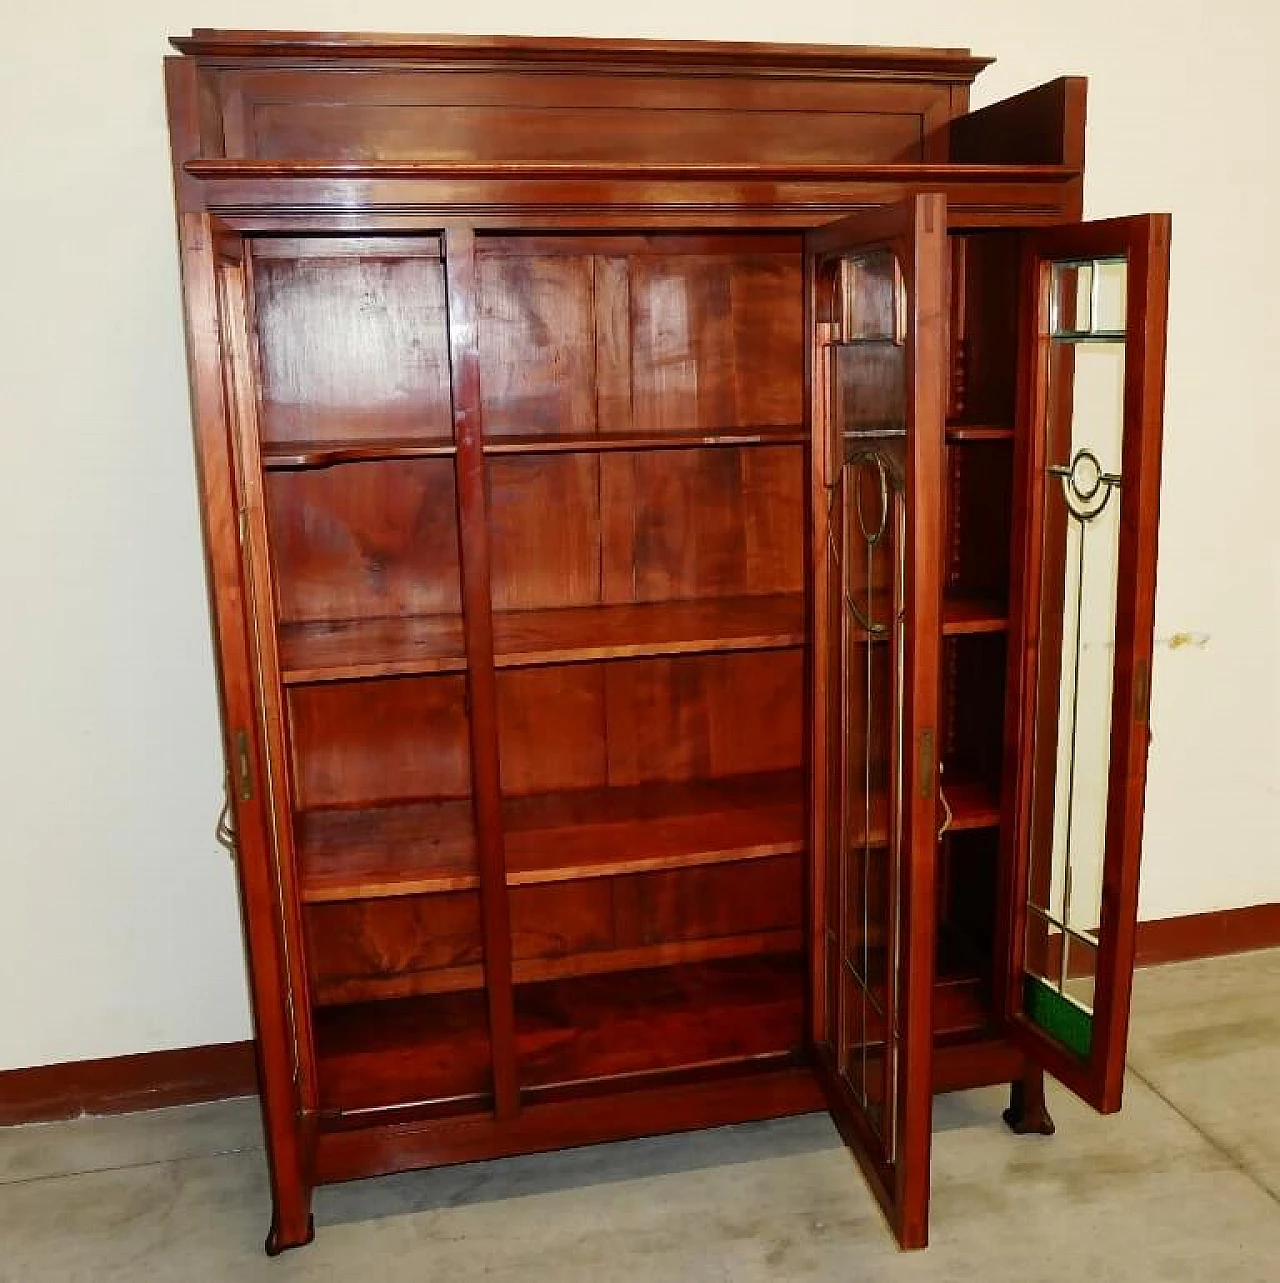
[[1028, 1115], [281, 1237]]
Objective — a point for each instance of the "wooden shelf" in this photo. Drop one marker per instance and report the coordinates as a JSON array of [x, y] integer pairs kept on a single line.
[[557, 443], [582, 633], [959, 433], [962, 615], [410, 848], [342, 650], [323, 454], [594, 833], [338, 650], [418, 848], [429, 1055], [961, 1007], [637, 1024], [973, 806]]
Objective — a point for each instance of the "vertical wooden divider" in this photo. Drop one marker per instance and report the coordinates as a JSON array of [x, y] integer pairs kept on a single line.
[[473, 544]]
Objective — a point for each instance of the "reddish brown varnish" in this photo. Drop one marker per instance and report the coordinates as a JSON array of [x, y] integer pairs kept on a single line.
[[511, 411]]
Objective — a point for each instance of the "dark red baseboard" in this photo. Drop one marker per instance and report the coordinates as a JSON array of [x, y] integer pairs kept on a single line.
[[121, 1084], [1208, 935], [125, 1083]]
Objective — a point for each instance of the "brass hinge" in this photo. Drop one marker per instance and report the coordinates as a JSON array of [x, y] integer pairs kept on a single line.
[[243, 767], [925, 761]]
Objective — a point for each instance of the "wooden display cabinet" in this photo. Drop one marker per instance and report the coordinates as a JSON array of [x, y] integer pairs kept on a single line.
[[681, 531]]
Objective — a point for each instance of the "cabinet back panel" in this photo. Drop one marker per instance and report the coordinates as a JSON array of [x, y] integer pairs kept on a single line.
[[639, 721], [545, 531], [985, 327], [973, 700], [589, 529], [635, 912], [620, 335], [385, 740], [967, 896], [702, 903], [395, 947], [537, 344], [979, 517], [716, 342], [352, 347], [364, 540]]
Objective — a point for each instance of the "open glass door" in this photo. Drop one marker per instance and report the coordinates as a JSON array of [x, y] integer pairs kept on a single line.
[[877, 285], [1095, 297]]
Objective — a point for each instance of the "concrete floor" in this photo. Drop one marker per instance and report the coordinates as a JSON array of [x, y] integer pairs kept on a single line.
[[1183, 1185]]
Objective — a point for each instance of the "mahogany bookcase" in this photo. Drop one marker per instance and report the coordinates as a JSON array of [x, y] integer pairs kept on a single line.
[[680, 523]]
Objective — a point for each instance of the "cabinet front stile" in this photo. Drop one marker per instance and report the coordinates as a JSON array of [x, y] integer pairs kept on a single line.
[[477, 609]]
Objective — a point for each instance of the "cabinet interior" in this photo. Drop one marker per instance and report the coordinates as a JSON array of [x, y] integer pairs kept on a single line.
[[645, 464]]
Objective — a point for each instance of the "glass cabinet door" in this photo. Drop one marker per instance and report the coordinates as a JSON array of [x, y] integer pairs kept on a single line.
[[876, 292], [1094, 295]]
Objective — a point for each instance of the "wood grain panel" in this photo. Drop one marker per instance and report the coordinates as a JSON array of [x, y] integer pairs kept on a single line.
[[646, 1021], [635, 526], [717, 341], [551, 729], [746, 82], [352, 346], [709, 902], [692, 717], [572, 134], [365, 540], [352, 853], [359, 743], [633, 915], [705, 716], [410, 1051], [700, 523], [559, 920], [545, 531], [612, 297], [385, 948], [537, 343]]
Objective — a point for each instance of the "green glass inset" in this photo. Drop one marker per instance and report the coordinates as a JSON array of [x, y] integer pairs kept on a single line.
[[1059, 1017]]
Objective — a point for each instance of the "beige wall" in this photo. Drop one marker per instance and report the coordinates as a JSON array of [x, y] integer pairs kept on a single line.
[[118, 928]]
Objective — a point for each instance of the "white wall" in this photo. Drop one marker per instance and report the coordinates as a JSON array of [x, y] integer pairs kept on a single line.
[[118, 926]]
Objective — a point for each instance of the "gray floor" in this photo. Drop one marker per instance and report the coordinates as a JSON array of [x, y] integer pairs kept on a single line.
[[1183, 1185]]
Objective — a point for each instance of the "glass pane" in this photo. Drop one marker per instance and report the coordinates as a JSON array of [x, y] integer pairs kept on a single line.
[[1087, 299], [1082, 971], [870, 360], [871, 583], [867, 523], [1083, 497]]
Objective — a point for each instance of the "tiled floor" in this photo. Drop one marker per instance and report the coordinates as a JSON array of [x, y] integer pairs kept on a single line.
[[1183, 1185]]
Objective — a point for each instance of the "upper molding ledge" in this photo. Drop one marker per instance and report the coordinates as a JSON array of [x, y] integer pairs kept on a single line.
[[705, 56]]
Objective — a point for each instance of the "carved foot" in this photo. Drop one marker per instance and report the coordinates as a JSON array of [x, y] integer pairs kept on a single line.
[[1027, 1114], [278, 1242]]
